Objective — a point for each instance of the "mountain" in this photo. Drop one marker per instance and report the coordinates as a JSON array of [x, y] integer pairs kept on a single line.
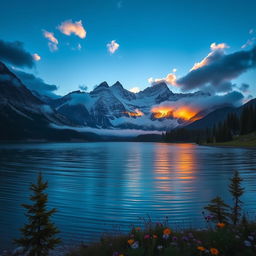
[[217, 116], [24, 116], [115, 107]]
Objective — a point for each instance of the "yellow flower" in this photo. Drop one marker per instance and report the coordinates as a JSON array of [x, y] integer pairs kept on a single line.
[[214, 251], [200, 248], [130, 241], [221, 225], [167, 231], [121, 254]]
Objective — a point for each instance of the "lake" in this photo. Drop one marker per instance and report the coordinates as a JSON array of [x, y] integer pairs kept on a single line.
[[108, 186]]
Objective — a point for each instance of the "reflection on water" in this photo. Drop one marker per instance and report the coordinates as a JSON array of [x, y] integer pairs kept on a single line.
[[101, 187]]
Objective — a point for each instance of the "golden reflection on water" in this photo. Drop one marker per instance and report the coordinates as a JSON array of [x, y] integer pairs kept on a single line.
[[173, 168]]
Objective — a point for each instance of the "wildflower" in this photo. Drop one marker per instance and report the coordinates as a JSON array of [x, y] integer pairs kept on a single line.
[[175, 238], [200, 248], [247, 243], [137, 228], [167, 231], [130, 241], [121, 254], [147, 236], [155, 236], [220, 225], [135, 245], [214, 251]]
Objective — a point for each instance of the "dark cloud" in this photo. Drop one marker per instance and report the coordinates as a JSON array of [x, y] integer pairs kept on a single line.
[[244, 87], [36, 84], [15, 54], [219, 70]]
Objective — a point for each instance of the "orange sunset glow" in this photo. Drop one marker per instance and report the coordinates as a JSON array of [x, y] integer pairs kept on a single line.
[[136, 112], [183, 112]]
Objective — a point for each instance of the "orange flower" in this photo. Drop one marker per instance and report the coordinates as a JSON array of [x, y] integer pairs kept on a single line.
[[137, 228], [155, 236], [167, 231], [214, 251], [221, 225], [200, 248], [130, 241]]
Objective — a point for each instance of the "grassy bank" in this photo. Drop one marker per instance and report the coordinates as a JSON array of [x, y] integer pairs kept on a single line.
[[248, 140], [160, 240]]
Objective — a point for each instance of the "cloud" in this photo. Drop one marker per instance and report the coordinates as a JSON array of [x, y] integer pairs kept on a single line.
[[36, 57], [36, 84], [244, 88], [219, 69], [201, 103], [251, 31], [217, 50], [69, 27], [15, 54], [112, 46], [169, 79], [134, 89], [174, 70], [53, 41], [50, 36], [215, 47], [83, 87], [249, 42]]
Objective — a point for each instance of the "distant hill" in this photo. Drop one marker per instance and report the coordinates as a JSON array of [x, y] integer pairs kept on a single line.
[[219, 115]]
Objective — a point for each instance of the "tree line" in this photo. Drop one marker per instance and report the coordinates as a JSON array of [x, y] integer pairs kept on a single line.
[[234, 125]]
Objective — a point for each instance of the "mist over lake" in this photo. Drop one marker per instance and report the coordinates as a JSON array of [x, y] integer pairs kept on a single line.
[[108, 186]]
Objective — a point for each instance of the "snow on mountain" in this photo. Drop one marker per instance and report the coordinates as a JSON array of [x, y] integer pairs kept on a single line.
[[115, 107]]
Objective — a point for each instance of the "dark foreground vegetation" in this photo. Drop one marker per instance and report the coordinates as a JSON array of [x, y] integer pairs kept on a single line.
[[228, 232], [233, 128]]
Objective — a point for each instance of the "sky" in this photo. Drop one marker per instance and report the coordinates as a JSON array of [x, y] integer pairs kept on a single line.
[[82, 43]]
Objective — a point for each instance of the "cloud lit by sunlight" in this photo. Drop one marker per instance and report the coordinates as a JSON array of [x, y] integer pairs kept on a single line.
[[113, 46], [36, 57], [69, 27]]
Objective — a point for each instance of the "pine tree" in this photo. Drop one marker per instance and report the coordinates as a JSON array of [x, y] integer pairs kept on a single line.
[[218, 209], [237, 191], [39, 233]]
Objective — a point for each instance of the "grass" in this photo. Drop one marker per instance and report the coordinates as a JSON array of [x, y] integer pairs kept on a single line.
[[159, 240], [248, 140]]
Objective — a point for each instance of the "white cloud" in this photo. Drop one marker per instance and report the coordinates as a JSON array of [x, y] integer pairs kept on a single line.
[[53, 47], [135, 89], [50, 36], [215, 48], [169, 79], [53, 41], [112, 46], [69, 27], [174, 70], [36, 57]]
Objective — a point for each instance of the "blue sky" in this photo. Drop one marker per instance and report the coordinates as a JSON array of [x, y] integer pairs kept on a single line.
[[153, 37]]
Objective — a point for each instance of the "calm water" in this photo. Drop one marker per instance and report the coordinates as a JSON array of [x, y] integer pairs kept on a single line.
[[101, 187]]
